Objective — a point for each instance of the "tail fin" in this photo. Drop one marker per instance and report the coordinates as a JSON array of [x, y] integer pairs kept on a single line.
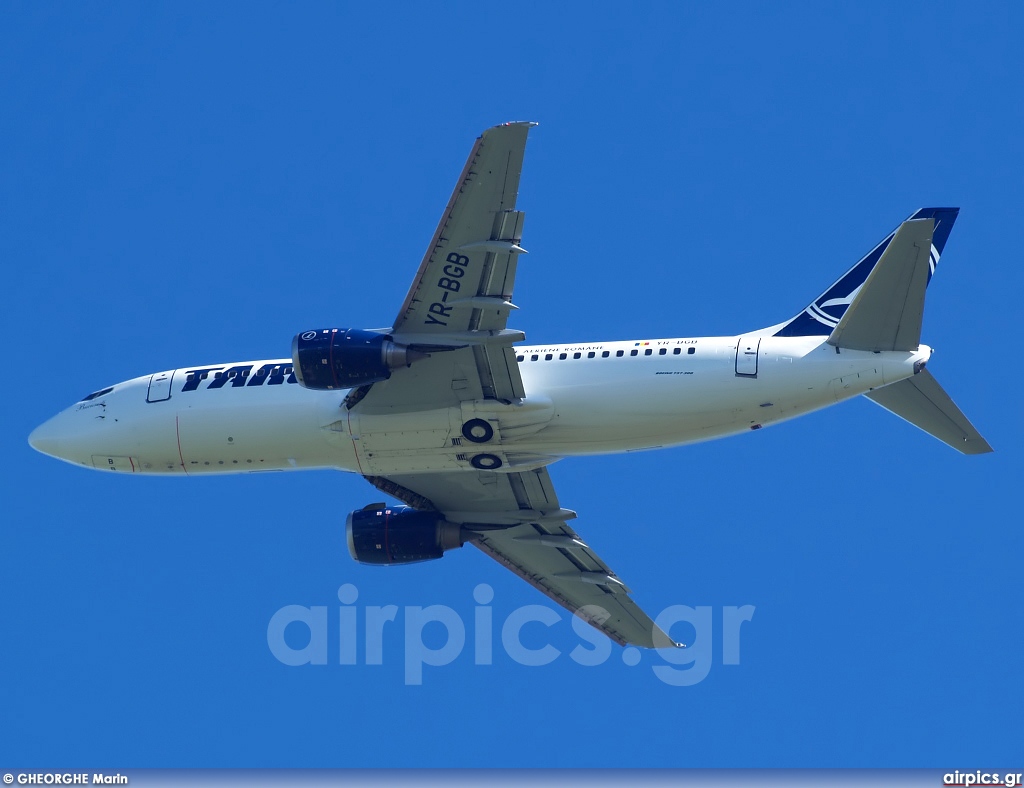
[[824, 314], [921, 401], [887, 311]]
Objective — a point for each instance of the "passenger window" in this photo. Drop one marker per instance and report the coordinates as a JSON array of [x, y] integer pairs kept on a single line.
[[519, 358], [591, 354], [662, 352], [633, 352], [648, 352], [690, 351], [577, 355], [618, 354], [533, 357], [604, 354], [562, 356], [676, 351], [547, 357]]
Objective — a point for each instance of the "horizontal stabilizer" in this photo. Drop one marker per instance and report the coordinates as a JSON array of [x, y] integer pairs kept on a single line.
[[921, 401], [886, 313]]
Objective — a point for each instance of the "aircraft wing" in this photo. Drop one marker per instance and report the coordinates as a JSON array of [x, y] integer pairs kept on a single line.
[[456, 312], [461, 294], [516, 519], [467, 273]]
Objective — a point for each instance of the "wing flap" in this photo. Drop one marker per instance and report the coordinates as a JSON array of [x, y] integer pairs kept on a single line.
[[499, 372]]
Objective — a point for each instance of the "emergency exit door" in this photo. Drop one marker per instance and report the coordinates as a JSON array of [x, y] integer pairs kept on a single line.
[[746, 356], [160, 386]]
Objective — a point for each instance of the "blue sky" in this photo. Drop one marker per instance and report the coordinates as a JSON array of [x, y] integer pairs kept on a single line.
[[185, 184]]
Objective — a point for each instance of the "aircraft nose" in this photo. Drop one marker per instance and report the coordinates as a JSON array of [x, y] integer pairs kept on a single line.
[[47, 439], [65, 437]]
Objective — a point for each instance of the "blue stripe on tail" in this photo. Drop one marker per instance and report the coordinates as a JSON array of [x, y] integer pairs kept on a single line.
[[825, 312]]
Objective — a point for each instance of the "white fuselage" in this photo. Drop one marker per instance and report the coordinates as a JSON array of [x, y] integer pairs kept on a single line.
[[581, 399]]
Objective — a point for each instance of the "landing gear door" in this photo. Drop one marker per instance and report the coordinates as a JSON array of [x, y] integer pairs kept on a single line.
[[160, 386], [746, 356]]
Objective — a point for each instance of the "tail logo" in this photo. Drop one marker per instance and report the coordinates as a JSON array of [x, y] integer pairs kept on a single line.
[[825, 312], [829, 311], [839, 305]]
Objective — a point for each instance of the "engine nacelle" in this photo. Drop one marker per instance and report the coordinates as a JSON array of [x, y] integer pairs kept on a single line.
[[382, 534], [342, 358]]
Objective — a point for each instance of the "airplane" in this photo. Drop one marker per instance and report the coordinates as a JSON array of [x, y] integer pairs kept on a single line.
[[449, 413]]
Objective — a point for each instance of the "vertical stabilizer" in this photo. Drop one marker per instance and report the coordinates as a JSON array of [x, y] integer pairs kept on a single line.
[[824, 313], [887, 311]]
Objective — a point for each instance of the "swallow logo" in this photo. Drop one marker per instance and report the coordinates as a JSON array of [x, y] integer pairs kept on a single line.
[[831, 311]]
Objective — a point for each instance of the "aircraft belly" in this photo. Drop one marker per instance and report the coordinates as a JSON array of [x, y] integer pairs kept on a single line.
[[251, 437], [154, 448], [402, 442], [439, 439], [658, 408]]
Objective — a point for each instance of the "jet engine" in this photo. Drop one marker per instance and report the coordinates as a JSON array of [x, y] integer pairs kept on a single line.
[[341, 358], [380, 534]]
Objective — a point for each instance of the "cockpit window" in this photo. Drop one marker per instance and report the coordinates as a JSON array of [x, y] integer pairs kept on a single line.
[[96, 394]]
